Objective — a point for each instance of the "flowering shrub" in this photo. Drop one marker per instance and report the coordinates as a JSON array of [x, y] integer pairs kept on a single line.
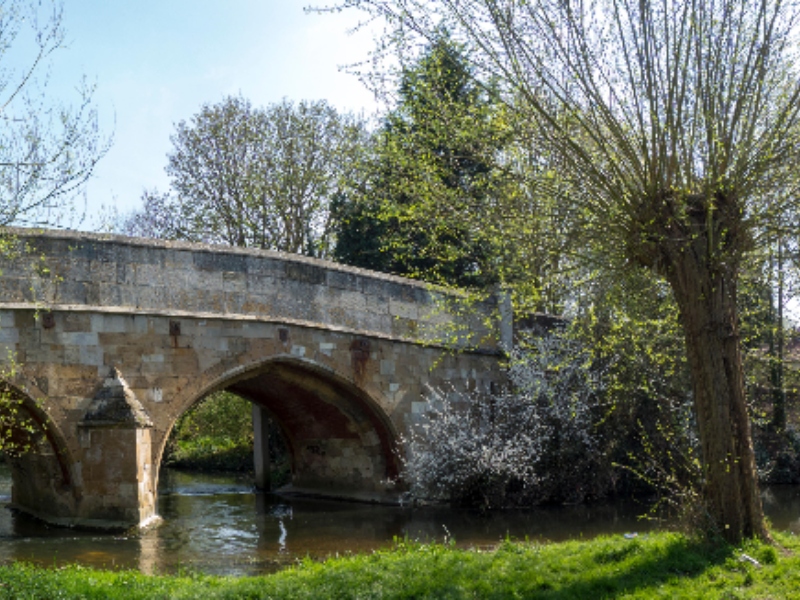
[[534, 443]]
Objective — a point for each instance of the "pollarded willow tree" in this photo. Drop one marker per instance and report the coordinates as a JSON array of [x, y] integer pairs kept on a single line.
[[672, 118]]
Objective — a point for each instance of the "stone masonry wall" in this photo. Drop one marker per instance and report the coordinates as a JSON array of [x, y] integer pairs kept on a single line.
[[343, 356], [70, 269]]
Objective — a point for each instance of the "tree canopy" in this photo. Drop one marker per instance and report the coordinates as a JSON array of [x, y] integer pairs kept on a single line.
[[676, 123], [424, 202], [254, 177]]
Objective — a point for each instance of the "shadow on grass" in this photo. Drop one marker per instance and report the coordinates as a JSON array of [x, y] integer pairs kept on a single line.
[[646, 567]]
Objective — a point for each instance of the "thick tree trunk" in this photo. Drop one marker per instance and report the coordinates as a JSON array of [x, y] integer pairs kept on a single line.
[[707, 303], [696, 243]]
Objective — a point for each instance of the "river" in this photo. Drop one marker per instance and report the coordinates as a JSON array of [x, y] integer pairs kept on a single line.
[[218, 524]]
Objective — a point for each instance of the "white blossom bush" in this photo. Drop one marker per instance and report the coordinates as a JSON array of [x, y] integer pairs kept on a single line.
[[534, 443]]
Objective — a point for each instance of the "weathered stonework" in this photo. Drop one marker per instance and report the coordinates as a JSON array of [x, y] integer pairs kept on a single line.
[[339, 356]]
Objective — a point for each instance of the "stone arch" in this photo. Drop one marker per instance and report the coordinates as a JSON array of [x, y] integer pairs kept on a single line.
[[341, 441], [43, 476]]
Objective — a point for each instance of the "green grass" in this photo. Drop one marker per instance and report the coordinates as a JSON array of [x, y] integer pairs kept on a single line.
[[662, 565]]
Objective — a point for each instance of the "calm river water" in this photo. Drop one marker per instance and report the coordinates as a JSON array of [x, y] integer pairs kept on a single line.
[[217, 524]]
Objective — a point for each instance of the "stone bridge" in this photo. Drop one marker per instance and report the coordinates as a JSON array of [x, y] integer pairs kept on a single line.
[[107, 340]]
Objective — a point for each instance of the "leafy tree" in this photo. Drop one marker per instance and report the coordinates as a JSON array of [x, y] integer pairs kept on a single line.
[[629, 323], [261, 178], [423, 206], [672, 118]]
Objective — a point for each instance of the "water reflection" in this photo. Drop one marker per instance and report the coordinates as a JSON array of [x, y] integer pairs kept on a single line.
[[217, 524], [782, 507]]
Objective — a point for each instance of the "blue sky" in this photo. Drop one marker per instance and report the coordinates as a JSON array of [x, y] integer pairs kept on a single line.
[[155, 62]]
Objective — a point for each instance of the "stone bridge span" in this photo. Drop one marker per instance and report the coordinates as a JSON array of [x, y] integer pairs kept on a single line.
[[111, 339]]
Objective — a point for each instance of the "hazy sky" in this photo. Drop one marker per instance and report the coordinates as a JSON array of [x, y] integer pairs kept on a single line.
[[155, 62]]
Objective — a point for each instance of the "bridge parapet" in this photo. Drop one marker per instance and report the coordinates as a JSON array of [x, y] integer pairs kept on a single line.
[[77, 271]]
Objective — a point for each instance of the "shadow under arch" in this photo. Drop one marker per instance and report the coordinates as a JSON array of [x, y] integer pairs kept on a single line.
[[341, 442], [39, 458]]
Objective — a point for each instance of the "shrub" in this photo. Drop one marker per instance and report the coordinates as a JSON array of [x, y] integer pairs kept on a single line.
[[533, 444]]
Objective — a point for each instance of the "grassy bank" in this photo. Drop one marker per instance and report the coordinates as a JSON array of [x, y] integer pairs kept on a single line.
[[660, 565], [206, 453]]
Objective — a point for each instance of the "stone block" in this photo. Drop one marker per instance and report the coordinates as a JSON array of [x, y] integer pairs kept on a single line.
[[103, 271], [7, 318], [233, 281], [345, 280], [186, 279], [218, 262], [93, 250], [8, 336], [109, 294], [72, 292], [264, 266], [126, 273], [407, 310], [260, 285], [110, 324], [211, 300], [218, 344], [14, 289], [234, 302], [82, 337], [387, 367], [179, 260], [142, 255], [91, 355], [151, 297], [305, 273]]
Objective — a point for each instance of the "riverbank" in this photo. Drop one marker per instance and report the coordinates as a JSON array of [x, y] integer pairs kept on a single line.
[[659, 565]]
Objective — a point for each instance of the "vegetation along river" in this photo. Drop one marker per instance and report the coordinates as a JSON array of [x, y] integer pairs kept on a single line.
[[217, 524]]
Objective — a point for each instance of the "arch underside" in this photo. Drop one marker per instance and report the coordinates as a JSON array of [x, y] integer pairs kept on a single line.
[[340, 442], [40, 464]]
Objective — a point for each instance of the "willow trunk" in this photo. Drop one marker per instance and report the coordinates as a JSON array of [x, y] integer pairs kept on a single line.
[[703, 277]]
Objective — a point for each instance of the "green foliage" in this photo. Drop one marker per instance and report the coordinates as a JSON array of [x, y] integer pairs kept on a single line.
[[19, 431], [658, 565], [221, 415], [671, 169], [207, 453], [425, 201], [630, 323], [216, 434]]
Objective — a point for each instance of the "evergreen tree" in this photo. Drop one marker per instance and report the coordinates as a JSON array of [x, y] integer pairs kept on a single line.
[[422, 205]]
